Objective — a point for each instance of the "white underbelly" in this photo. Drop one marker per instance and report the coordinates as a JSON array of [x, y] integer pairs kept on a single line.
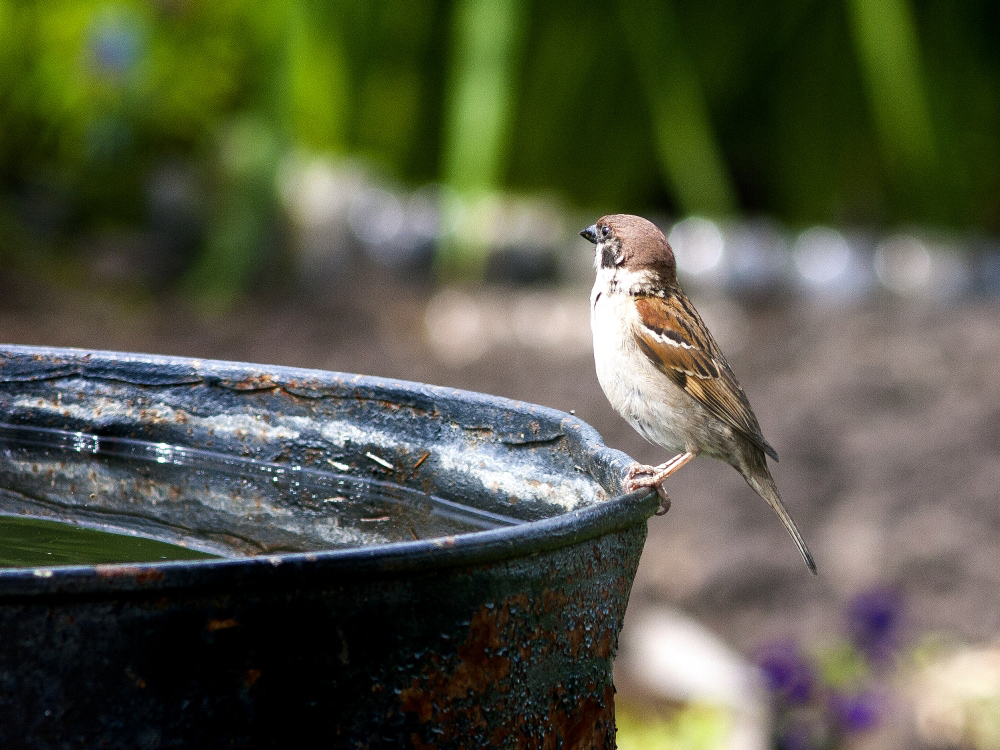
[[653, 404]]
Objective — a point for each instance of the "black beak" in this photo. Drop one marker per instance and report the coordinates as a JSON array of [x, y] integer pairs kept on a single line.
[[590, 233]]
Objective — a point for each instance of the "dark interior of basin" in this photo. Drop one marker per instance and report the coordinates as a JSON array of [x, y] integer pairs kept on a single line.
[[186, 452]]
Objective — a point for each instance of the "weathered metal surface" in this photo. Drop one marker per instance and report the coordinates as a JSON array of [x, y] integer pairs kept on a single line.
[[359, 607]]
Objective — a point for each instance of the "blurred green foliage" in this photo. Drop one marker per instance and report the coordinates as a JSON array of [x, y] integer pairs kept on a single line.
[[691, 726], [874, 112]]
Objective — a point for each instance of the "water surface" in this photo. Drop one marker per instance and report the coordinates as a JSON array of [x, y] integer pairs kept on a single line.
[[33, 542]]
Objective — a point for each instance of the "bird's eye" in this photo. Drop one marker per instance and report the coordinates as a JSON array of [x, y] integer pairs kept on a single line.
[[605, 230]]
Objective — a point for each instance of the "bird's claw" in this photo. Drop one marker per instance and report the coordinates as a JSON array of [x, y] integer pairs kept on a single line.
[[664, 500], [634, 480], [664, 504]]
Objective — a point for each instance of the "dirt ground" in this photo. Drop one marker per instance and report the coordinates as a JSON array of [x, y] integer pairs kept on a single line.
[[886, 416]]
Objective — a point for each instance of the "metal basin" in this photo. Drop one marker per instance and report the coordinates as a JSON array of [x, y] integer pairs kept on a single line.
[[402, 565]]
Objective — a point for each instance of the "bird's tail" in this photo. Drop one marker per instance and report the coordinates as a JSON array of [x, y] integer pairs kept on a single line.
[[759, 478]]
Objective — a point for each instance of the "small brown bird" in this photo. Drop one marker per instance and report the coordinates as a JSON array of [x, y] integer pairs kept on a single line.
[[661, 369]]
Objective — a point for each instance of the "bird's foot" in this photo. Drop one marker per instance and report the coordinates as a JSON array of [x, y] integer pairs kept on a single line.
[[639, 475], [635, 480], [636, 470]]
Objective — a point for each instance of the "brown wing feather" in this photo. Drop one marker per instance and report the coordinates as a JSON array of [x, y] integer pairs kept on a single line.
[[674, 337]]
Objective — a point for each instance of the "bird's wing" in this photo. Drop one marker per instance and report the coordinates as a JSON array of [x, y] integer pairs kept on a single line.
[[671, 333]]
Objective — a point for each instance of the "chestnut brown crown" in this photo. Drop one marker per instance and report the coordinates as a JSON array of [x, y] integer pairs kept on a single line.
[[634, 243]]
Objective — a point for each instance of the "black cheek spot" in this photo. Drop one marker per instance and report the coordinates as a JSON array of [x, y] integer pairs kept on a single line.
[[607, 257]]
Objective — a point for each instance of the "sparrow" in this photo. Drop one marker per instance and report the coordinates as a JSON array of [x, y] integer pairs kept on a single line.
[[663, 372]]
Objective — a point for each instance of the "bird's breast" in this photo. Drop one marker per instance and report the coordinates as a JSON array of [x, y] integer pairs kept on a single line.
[[659, 410]]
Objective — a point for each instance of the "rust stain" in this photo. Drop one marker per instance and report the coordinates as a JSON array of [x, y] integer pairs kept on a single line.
[[149, 576], [260, 382], [419, 744], [480, 665], [492, 673], [139, 682], [587, 727], [141, 576], [604, 648], [312, 456], [553, 599], [251, 677], [415, 700], [575, 638], [479, 668], [221, 624]]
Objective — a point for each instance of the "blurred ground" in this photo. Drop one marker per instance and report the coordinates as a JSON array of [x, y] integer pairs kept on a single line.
[[886, 416]]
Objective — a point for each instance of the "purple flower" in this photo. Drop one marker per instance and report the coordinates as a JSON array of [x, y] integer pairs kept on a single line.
[[787, 673], [116, 45], [873, 620], [857, 712]]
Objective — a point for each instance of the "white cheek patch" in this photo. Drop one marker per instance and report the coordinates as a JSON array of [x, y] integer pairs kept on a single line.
[[636, 282]]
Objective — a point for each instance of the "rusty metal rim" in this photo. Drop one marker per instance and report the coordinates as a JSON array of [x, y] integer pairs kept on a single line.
[[22, 363]]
